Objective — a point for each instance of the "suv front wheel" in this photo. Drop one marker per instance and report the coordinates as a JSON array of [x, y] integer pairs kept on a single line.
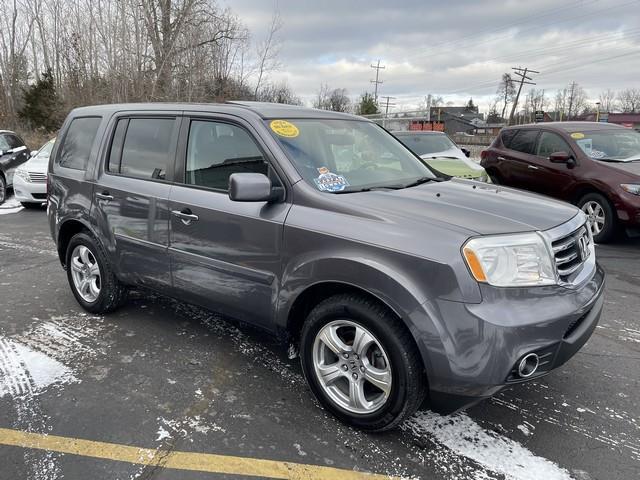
[[92, 281], [600, 216], [361, 362]]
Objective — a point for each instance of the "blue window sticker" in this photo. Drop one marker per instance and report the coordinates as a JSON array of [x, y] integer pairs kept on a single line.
[[330, 182]]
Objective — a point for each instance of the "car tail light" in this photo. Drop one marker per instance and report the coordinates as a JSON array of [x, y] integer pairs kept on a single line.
[[484, 154]]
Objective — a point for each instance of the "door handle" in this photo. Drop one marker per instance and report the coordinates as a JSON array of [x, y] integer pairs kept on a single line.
[[501, 158], [185, 215], [533, 167], [104, 196]]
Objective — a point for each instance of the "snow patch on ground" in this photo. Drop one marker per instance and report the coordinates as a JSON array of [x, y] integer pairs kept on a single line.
[[10, 205], [498, 454], [24, 371], [183, 428]]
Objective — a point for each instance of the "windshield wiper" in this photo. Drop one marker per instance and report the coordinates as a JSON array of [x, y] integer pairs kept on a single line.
[[368, 189], [421, 180]]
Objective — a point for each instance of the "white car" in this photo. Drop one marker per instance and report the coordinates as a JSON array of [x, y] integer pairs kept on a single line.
[[30, 179]]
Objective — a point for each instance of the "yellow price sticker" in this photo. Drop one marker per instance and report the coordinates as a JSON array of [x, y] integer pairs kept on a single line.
[[284, 128], [577, 135]]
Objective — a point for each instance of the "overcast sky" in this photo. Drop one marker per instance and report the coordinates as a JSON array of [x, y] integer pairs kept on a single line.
[[456, 48]]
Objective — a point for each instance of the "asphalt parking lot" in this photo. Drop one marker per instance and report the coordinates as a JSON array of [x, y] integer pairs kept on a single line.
[[197, 397]]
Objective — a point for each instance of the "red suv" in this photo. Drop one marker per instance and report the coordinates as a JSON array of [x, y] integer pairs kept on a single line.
[[595, 166]]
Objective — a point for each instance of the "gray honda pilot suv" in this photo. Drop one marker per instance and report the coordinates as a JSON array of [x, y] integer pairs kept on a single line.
[[321, 228]]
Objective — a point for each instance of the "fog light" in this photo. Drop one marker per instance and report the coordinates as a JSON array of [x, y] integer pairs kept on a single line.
[[528, 365]]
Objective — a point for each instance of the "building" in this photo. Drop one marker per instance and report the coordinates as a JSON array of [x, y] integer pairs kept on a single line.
[[457, 119], [629, 120]]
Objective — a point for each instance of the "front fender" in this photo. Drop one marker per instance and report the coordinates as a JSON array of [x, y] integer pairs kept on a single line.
[[390, 286]]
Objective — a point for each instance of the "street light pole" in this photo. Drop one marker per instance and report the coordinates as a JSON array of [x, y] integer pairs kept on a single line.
[[597, 111]]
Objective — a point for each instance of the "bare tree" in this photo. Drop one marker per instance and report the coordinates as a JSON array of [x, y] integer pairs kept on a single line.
[[268, 51], [630, 100], [322, 98], [339, 100], [505, 93], [608, 101], [278, 93]]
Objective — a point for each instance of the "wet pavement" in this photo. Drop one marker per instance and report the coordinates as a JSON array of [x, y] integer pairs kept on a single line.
[[170, 377]]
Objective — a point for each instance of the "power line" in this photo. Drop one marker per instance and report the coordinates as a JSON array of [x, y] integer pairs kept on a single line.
[[376, 81], [456, 44]]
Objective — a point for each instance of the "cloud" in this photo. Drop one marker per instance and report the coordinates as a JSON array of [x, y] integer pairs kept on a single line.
[[454, 49]]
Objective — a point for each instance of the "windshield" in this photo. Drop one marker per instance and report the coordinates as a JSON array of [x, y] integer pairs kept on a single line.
[[347, 155], [424, 144], [618, 145], [45, 151]]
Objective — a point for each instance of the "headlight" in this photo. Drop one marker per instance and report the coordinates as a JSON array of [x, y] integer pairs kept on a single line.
[[519, 260], [633, 188], [23, 174]]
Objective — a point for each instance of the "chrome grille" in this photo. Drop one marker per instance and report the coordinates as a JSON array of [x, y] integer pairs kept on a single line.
[[571, 251], [37, 177]]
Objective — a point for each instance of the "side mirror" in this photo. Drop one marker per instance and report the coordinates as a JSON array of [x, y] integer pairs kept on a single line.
[[249, 187], [466, 152], [562, 157]]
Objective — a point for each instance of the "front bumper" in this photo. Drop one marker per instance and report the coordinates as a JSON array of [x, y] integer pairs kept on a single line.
[[482, 343], [34, 192]]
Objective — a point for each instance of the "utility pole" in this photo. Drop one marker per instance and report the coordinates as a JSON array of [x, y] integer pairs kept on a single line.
[[522, 73], [386, 109], [387, 105], [377, 81]]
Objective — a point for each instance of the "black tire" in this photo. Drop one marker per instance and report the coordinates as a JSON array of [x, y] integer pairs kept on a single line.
[[112, 292], [3, 189], [409, 384], [31, 205], [495, 177], [610, 220]]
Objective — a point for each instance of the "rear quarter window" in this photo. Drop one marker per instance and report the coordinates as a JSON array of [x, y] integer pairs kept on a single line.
[[506, 136], [524, 141], [78, 142]]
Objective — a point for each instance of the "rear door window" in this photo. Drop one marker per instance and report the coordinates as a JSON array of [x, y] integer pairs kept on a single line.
[[148, 147], [551, 143], [77, 143], [524, 141]]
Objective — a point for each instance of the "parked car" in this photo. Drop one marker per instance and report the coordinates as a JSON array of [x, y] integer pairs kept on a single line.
[[442, 153], [30, 180], [13, 153], [395, 284], [595, 166]]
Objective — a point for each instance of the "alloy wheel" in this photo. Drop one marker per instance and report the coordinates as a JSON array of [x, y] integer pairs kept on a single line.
[[85, 272], [352, 367], [595, 216]]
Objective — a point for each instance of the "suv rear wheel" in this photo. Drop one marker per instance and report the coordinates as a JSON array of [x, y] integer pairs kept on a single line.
[[600, 216], [3, 189], [361, 362], [92, 281]]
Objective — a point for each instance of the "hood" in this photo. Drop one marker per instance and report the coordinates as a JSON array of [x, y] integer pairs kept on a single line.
[[455, 167], [452, 152], [39, 164], [475, 207], [627, 167]]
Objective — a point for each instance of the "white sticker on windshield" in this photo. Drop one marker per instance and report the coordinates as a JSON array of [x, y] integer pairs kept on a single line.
[[330, 182], [586, 144]]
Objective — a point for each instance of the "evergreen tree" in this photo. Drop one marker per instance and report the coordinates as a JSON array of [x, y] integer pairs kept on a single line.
[[367, 105], [41, 105], [471, 106]]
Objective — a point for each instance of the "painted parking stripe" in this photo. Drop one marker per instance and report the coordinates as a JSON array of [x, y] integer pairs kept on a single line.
[[198, 462]]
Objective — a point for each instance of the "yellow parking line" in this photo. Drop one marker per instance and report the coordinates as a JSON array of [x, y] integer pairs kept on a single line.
[[199, 462]]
